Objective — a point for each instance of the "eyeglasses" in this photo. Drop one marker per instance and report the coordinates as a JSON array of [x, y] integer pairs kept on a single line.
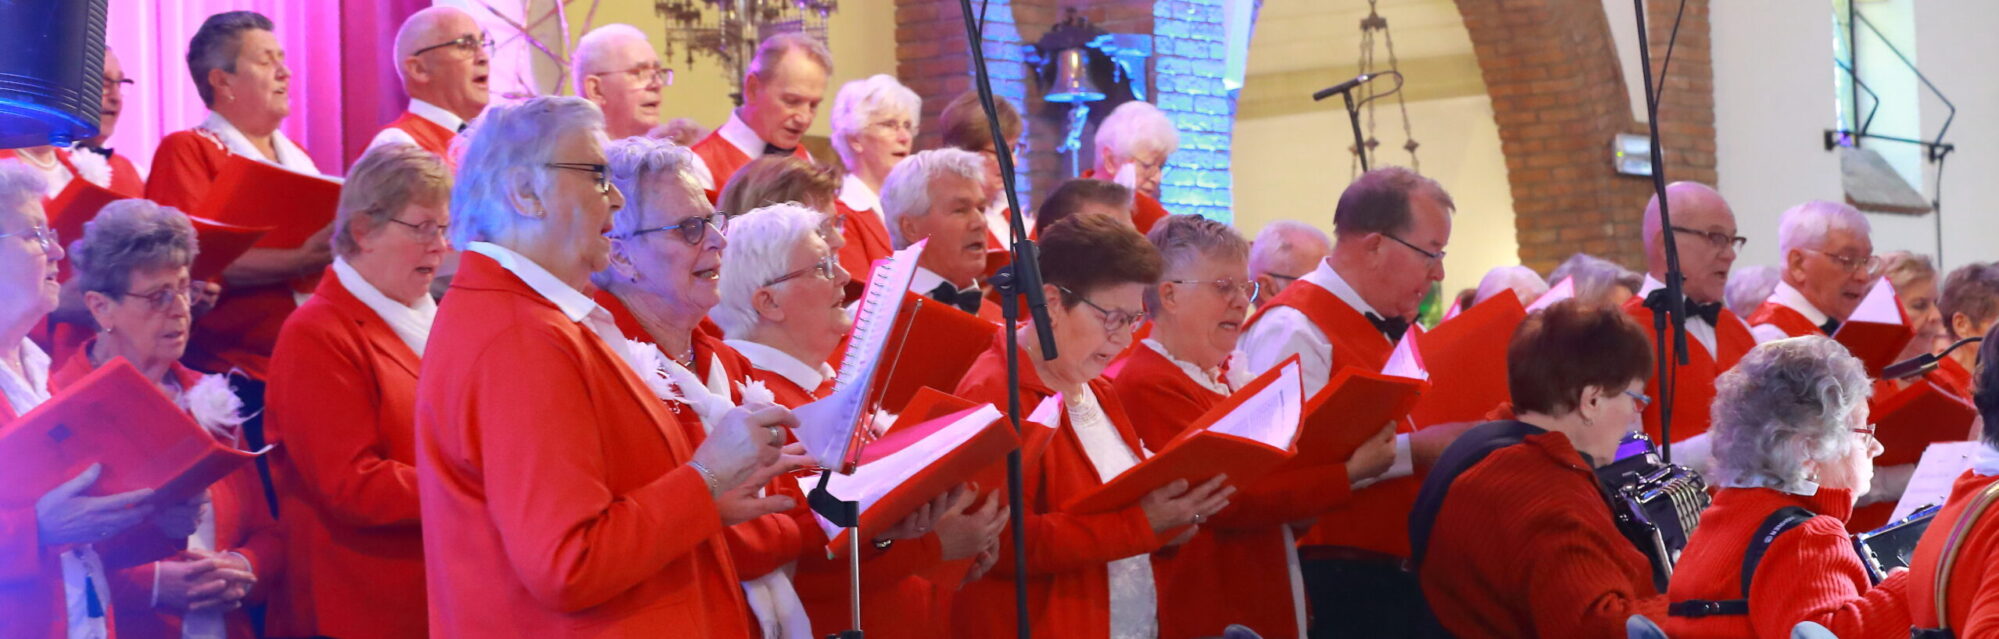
[[1114, 321], [116, 84], [1716, 238], [602, 171], [1435, 257], [897, 124], [161, 300], [42, 235], [1867, 435], [692, 230], [1850, 264], [824, 268], [1639, 398], [833, 226], [429, 229], [646, 74], [470, 44], [1227, 287]]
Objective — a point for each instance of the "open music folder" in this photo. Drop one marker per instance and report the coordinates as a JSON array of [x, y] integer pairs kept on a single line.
[[913, 464], [1465, 361], [116, 417], [834, 428], [261, 195], [1877, 330], [1915, 417]]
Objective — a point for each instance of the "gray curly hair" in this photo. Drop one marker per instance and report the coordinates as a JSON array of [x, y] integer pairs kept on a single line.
[[1787, 402], [126, 236]]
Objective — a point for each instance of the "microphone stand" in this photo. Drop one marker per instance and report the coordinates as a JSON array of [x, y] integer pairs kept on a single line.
[[1353, 117], [845, 514], [1671, 309], [1021, 278]]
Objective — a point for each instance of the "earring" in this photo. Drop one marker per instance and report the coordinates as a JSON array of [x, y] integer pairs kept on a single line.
[[107, 330]]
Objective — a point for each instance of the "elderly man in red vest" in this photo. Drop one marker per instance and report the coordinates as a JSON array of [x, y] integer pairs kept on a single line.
[[1390, 228], [442, 57], [1828, 264], [616, 68], [782, 89], [1707, 240]]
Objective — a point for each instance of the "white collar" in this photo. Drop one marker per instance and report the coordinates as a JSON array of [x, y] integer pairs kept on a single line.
[[857, 196], [574, 304], [411, 324], [1789, 297], [290, 156], [1805, 487], [1211, 379], [739, 134], [1325, 277], [1985, 460], [24, 394], [791, 368], [925, 280], [436, 114]]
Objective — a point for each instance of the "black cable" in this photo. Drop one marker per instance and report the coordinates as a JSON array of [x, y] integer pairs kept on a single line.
[[1671, 41]]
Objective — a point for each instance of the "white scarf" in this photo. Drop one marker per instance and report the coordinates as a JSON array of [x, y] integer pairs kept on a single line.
[[410, 323], [1985, 461], [290, 156], [25, 393]]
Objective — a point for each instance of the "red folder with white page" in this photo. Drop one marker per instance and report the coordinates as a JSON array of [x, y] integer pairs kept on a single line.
[[1917, 416], [1566, 289], [912, 465], [1353, 407], [1877, 330]]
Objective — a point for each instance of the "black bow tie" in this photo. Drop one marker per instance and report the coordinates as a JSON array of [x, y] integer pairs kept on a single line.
[[772, 149], [1830, 326], [1392, 327], [106, 152], [966, 300], [462, 125], [1710, 311]]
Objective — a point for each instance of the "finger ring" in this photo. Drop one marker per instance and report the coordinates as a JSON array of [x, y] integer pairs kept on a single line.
[[1198, 518], [776, 436]]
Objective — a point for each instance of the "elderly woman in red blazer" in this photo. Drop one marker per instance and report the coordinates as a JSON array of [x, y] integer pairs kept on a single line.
[[1511, 534], [1970, 600], [1790, 431], [1088, 575], [341, 399], [1242, 567], [132, 272], [560, 498]]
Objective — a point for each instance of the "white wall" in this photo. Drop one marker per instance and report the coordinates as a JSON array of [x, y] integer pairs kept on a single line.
[[1294, 167]]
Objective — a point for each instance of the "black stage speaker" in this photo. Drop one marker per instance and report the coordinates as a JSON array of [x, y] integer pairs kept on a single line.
[[51, 71]]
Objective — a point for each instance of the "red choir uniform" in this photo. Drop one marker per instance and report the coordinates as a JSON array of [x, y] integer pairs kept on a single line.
[[1524, 546], [1694, 382], [1238, 568], [556, 496], [342, 398], [1145, 209], [58, 338], [125, 178], [728, 149], [422, 129], [1972, 587], [242, 521], [1068, 581], [1785, 318], [241, 330], [1809, 573], [866, 233], [1952, 376]]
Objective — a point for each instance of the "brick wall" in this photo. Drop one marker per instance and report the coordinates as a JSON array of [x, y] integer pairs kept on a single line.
[[1559, 100], [1187, 81]]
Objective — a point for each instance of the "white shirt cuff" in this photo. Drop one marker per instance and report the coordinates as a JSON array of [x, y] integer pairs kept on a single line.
[[156, 585], [1404, 465]]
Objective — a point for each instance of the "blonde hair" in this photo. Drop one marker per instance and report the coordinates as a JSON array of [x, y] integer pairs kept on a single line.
[[387, 179]]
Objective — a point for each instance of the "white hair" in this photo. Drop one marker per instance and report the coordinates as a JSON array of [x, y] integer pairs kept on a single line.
[[19, 185], [509, 144], [1281, 239], [861, 101], [593, 46], [1518, 279], [1787, 402], [1134, 127], [1805, 226], [759, 250], [1594, 276], [1749, 286], [643, 169], [906, 190]]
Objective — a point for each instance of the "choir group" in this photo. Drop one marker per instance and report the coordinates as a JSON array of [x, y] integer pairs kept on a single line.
[[535, 377]]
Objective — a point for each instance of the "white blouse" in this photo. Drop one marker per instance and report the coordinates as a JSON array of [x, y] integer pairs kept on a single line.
[[1134, 600]]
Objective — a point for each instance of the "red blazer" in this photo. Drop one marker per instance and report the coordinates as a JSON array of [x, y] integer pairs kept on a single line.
[[428, 135], [341, 402], [1784, 317], [1068, 585], [1809, 573], [243, 327], [1524, 546], [724, 159], [1694, 389], [1236, 569], [243, 524], [556, 496], [1973, 596], [867, 241], [1377, 517]]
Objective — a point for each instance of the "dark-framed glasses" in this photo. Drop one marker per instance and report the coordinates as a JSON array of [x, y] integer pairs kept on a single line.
[[602, 172], [1866, 434], [42, 235], [1640, 399], [466, 43], [117, 84], [1114, 321], [646, 74], [826, 268], [1718, 239], [428, 229], [1227, 287], [164, 298], [1437, 256], [692, 230]]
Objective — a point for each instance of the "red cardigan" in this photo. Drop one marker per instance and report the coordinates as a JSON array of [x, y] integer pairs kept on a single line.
[[341, 401], [724, 159], [1068, 585], [1809, 573], [1695, 382], [1973, 596], [1524, 546], [867, 241], [1236, 569], [243, 524], [556, 496]]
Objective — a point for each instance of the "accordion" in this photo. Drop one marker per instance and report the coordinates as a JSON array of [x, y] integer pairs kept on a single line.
[[1890, 547], [1656, 505]]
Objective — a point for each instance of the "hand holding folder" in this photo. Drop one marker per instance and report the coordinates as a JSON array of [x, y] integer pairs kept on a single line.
[[912, 465], [1352, 408]]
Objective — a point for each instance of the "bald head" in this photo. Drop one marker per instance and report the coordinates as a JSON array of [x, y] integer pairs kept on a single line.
[[616, 67], [1704, 216], [1284, 251], [452, 77]]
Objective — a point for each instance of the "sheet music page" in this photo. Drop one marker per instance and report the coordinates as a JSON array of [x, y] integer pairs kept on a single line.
[[1939, 468], [1565, 290], [1049, 413], [870, 482], [1879, 306], [1271, 415], [827, 426], [1406, 361]]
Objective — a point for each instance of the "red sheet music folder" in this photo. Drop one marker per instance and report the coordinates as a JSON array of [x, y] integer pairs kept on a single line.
[[116, 417], [220, 245], [1912, 419], [1247, 435], [931, 346], [1353, 407], [1466, 359], [1877, 330], [913, 465], [255, 194]]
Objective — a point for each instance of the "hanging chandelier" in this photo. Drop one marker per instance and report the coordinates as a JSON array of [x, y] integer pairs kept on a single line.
[[728, 31]]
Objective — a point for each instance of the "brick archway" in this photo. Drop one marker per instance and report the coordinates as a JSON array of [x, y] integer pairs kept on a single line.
[[1559, 99]]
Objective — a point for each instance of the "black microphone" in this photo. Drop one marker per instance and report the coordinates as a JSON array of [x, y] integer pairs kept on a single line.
[[1346, 86], [1921, 364]]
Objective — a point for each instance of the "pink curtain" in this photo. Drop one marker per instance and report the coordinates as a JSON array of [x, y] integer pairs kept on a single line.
[[342, 87]]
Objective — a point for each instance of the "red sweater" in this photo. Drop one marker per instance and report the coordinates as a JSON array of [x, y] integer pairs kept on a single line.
[[1524, 546], [1809, 573], [1973, 595]]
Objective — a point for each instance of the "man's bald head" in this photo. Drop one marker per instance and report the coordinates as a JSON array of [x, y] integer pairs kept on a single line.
[[1702, 215], [451, 77]]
